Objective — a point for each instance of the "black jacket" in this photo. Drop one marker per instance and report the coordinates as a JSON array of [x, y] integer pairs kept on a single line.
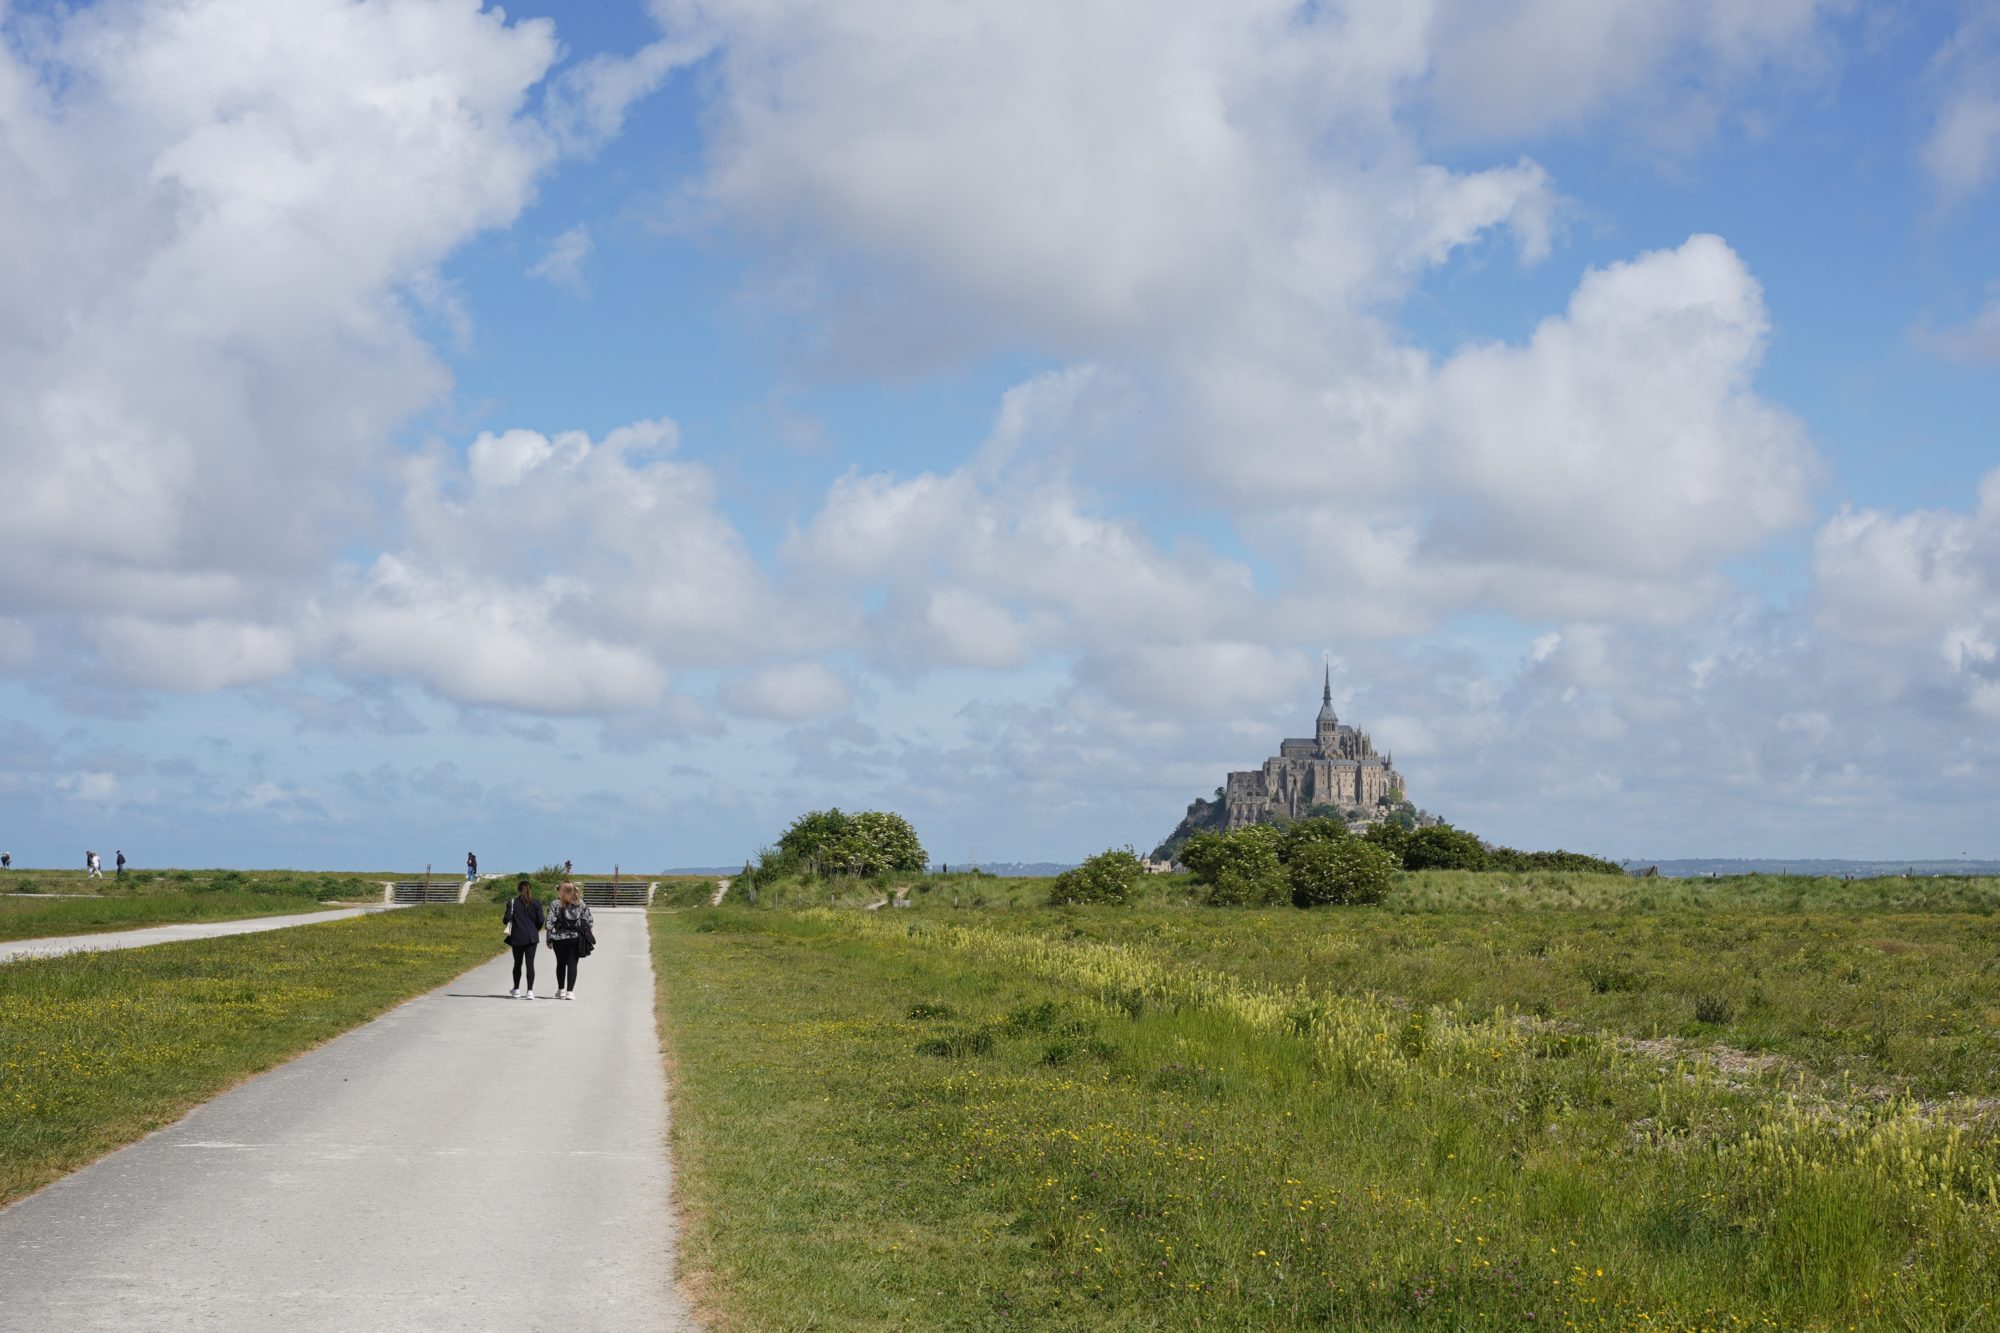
[[524, 921]]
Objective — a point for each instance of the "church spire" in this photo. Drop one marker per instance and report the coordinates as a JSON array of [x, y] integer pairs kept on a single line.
[[1327, 721], [1326, 694]]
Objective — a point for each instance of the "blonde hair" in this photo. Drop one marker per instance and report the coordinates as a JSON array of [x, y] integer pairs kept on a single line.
[[568, 893]]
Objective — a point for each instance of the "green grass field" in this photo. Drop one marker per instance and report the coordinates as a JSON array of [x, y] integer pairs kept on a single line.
[[33, 918], [1483, 1104], [99, 1049]]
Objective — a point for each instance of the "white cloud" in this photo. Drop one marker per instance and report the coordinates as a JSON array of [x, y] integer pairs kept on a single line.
[[1003, 560], [485, 641], [97, 788], [1503, 69], [1928, 580], [1974, 342], [562, 263], [1962, 151], [1106, 172], [792, 692], [1625, 437], [223, 220]]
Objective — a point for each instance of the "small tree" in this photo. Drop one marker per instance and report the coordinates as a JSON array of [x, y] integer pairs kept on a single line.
[[1442, 847], [1107, 877], [1351, 871]]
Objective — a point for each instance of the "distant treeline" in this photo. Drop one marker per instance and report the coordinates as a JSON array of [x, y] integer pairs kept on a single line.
[[1691, 867]]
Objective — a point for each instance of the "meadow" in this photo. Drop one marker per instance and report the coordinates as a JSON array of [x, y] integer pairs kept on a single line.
[[48, 903], [1491, 1101], [99, 1049]]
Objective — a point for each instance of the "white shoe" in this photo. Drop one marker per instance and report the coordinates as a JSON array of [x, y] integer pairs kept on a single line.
[[515, 993], [530, 995]]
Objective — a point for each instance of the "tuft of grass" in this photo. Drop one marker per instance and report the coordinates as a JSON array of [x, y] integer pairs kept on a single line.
[[99, 1049]]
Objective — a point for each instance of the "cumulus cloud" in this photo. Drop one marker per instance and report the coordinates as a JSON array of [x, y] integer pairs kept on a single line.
[[1626, 435], [1101, 173], [1002, 559], [224, 222]]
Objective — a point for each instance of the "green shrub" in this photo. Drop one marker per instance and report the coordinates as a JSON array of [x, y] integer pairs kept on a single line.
[[1506, 858], [1311, 833], [1390, 837], [832, 842], [1330, 873], [1107, 877], [1714, 1009], [1237, 869], [1442, 847]]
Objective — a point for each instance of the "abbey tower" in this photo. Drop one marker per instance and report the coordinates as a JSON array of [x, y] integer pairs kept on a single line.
[[1338, 767]]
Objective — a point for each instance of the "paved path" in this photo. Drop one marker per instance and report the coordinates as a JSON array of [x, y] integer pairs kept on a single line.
[[464, 1162], [138, 938]]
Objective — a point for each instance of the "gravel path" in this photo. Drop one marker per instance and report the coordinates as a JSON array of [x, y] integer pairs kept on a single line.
[[142, 936], [465, 1162]]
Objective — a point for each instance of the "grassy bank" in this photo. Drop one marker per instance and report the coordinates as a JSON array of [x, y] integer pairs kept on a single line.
[[33, 918], [1003, 1120], [99, 1049]]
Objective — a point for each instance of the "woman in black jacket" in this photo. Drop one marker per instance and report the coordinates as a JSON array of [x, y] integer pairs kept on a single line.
[[523, 919], [569, 922]]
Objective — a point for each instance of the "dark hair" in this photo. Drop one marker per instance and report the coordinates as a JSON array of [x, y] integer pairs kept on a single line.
[[523, 884]]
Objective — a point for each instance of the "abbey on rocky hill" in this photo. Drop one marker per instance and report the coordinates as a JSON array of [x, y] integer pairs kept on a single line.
[[1337, 767]]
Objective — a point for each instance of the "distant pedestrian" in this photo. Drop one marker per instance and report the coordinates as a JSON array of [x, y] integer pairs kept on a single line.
[[471, 867], [571, 936], [566, 870], [93, 866], [121, 863], [6, 860], [523, 919]]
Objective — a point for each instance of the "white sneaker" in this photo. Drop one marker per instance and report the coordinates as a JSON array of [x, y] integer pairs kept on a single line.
[[515, 993], [529, 996], [562, 995]]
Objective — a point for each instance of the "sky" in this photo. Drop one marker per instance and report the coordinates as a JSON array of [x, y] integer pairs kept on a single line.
[[604, 431]]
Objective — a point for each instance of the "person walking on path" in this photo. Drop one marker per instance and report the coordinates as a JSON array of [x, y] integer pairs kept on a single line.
[[471, 867], [121, 863], [93, 868], [570, 934], [523, 919]]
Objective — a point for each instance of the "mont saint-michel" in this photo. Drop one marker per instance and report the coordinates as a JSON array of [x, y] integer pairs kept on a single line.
[[1336, 766]]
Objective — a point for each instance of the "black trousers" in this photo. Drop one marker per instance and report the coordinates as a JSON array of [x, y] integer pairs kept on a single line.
[[524, 953], [567, 952]]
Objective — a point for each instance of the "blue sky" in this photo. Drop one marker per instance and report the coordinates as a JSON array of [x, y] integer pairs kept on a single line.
[[604, 431]]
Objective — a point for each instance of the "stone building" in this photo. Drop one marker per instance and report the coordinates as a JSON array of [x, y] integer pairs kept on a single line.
[[1336, 767]]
